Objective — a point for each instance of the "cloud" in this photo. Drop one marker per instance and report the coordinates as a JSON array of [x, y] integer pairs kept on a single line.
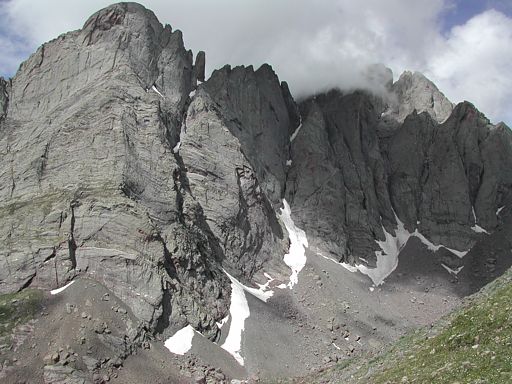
[[475, 63], [313, 45]]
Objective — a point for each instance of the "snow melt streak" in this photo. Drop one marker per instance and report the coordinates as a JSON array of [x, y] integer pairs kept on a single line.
[[297, 130], [239, 311], [157, 91], [181, 342], [296, 256], [59, 290], [476, 228]]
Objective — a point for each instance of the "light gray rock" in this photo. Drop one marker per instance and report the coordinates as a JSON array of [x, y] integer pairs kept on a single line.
[[115, 171], [415, 92], [90, 182], [61, 374]]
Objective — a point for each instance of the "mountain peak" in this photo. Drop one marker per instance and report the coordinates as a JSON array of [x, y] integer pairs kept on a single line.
[[226, 209], [416, 92], [116, 14]]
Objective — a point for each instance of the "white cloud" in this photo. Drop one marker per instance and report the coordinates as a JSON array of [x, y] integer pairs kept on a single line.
[[316, 45], [475, 63]]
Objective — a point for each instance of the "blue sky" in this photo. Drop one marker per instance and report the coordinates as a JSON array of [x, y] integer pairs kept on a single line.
[[463, 10], [464, 46]]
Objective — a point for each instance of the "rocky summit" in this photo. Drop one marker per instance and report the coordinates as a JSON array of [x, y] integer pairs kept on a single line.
[[160, 226]]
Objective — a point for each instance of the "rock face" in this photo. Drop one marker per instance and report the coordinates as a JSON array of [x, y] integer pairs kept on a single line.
[[91, 183], [260, 115], [4, 97], [337, 183], [415, 92], [349, 179], [449, 172], [117, 165], [199, 65]]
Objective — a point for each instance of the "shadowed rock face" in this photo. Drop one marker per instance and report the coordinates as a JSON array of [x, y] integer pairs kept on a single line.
[[261, 116], [337, 182], [349, 178], [118, 165], [448, 172], [4, 97]]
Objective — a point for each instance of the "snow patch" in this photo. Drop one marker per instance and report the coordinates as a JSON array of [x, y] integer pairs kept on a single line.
[[288, 163], [296, 132], [476, 228], [59, 290], [221, 323], [263, 293], [296, 256], [157, 91], [181, 342], [387, 257], [192, 93], [452, 271], [347, 266], [434, 248], [499, 210], [239, 311], [177, 147]]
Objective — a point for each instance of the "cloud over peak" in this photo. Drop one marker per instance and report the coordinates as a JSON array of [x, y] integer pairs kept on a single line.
[[314, 46]]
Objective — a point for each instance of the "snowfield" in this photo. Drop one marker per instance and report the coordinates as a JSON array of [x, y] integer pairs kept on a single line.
[[181, 342], [387, 257], [296, 256], [239, 311]]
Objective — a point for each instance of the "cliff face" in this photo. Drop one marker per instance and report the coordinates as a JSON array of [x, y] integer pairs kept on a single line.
[[94, 181], [357, 168], [4, 97], [118, 165]]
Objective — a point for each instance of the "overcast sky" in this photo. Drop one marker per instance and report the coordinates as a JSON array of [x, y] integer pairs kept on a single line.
[[464, 46]]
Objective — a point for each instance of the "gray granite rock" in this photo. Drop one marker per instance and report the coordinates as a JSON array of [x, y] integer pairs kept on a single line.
[[224, 183], [349, 177], [91, 184], [63, 374], [337, 183], [259, 114], [415, 92], [4, 97], [117, 166], [199, 66], [440, 174]]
